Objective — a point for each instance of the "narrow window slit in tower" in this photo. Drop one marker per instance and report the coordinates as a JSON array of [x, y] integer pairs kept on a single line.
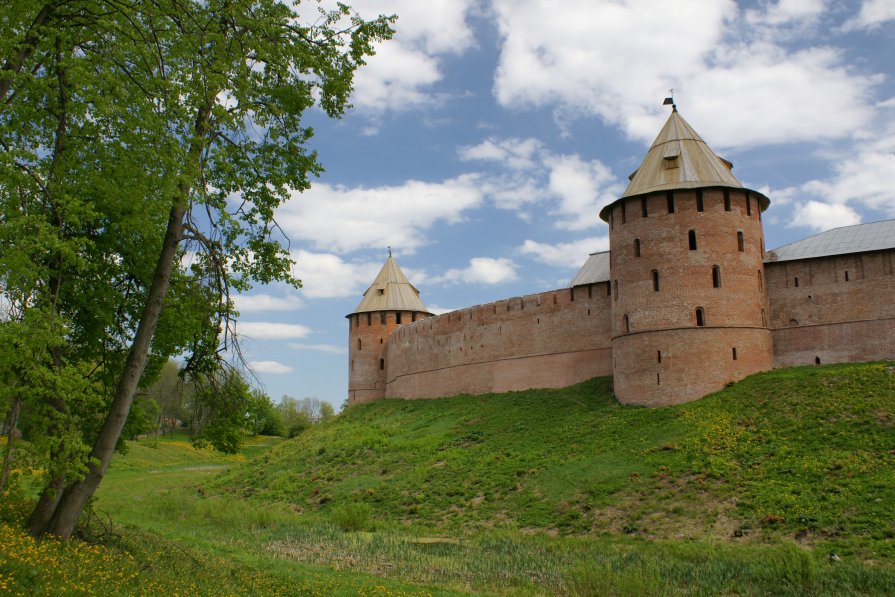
[[554, 299], [358, 344], [700, 206], [726, 199], [669, 197], [382, 364], [397, 317], [846, 276], [590, 291], [571, 295], [741, 242], [369, 319], [382, 317], [636, 247], [734, 353], [716, 277], [655, 274], [700, 317], [691, 238], [659, 356], [796, 281], [644, 211], [627, 324], [588, 312], [748, 205], [658, 382]]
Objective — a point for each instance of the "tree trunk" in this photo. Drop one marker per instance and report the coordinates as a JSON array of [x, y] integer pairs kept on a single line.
[[46, 505], [12, 422], [75, 496]]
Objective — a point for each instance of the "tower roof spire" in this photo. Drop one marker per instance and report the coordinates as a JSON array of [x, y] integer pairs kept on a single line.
[[391, 291], [680, 159]]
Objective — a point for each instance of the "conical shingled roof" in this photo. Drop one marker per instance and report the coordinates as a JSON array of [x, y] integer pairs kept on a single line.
[[680, 159], [391, 291]]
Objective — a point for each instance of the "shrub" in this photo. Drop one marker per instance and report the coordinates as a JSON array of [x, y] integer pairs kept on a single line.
[[353, 517]]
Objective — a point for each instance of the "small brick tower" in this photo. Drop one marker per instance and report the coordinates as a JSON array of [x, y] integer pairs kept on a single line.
[[390, 302], [689, 305]]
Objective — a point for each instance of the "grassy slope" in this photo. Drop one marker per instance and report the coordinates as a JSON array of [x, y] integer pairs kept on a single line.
[[806, 453]]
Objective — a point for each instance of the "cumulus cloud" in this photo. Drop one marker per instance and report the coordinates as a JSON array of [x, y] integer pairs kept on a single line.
[[786, 12], [571, 255], [250, 303], [617, 59], [273, 367], [329, 348], [823, 216], [873, 13], [481, 270], [263, 330], [325, 275], [523, 172], [343, 219], [404, 70]]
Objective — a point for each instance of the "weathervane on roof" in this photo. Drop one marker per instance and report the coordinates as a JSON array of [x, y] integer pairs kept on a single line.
[[669, 101], [389, 250]]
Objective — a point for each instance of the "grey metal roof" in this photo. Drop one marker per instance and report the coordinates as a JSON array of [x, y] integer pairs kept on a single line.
[[838, 241], [595, 269], [680, 159], [391, 291]]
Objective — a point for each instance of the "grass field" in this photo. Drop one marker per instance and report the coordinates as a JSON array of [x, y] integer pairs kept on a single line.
[[748, 491]]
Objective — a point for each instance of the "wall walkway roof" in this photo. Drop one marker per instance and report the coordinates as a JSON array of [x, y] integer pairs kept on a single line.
[[838, 241], [391, 291], [594, 270]]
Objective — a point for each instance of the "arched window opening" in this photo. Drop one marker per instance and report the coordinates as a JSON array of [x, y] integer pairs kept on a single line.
[[748, 205], [741, 242], [655, 274], [382, 364], [669, 197], [691, 238], [796, 281], [846, 276], [700, 206], [636, 247], [716, 277], [734, 353], [700, 317], [358, 344], [644, 211], [658, 356], [726, 199], [627, 324]]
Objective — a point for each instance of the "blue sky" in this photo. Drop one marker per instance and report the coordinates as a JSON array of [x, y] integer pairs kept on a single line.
[[486, 136]]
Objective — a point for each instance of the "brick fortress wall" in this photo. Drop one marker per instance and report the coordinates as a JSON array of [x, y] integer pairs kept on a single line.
[[836, 309], [548, 340]]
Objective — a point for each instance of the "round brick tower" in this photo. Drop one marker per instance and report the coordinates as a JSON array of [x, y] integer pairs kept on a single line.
[[689, 307], [390, 302]]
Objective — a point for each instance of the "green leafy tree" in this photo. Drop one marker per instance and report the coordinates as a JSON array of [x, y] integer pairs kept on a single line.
[[135, 133], [263, 416]]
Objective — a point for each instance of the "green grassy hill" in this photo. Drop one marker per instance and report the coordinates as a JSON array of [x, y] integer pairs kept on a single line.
[[806, 454]]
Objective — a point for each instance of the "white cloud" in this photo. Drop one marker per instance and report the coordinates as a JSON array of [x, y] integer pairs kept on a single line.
[[582, 188], [249, 303], [330, 348], [786, 12], [481, 270], [269, 367], [866, 179], [436, 310], [402, 73], [571, 255], [325, 275], [342, 219], [573, 188], [617, 58], [873, 14], [823, 216], [262, 330]]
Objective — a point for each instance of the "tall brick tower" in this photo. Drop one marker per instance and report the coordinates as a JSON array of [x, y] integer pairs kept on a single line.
[[390, 302], [689, 306]]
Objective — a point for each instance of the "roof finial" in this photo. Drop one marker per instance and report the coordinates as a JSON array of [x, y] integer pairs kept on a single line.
[[669, 101], [389, 250]]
